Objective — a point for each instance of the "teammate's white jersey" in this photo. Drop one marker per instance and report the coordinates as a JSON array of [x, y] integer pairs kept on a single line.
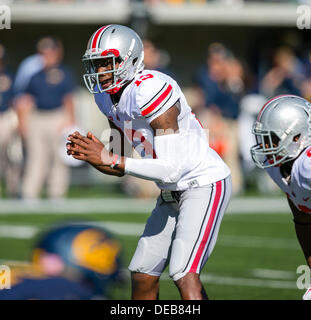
[[148, 96], [298, 188]]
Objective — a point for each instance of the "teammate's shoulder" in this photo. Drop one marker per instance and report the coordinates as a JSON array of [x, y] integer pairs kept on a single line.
[[302, 166], [305, 157]]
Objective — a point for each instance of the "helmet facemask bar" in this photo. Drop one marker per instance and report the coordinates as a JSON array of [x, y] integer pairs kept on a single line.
[[92, 78], [268, 151]]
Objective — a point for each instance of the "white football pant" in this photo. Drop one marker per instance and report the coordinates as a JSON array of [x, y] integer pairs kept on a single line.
[[182, 235]]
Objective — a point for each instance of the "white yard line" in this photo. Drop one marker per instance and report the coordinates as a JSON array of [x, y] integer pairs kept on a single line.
[[248, 282], [122, 228], [274, 274], [123, 205], [76, 206], [28, 232], [136, 229], [257, 242], [243, 282], [212, 278], [15, 263], [18, 232]]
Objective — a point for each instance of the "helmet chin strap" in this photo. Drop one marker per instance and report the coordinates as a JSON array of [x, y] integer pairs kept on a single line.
[[115, 89]]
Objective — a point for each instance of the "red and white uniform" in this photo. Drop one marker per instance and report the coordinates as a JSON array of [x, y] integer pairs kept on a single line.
[[298, 190], [183, 233], [148, 96]]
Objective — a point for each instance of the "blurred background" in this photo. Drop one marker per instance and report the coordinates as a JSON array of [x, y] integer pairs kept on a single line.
[[229, 57]]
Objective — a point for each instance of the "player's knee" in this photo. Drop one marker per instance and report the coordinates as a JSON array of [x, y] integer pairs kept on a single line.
[[153, 264], [143, 280], [191, 288], [137, 263], [140, 277], [190, 279]]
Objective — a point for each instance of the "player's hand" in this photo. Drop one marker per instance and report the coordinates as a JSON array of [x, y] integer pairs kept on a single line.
[[89, 149]]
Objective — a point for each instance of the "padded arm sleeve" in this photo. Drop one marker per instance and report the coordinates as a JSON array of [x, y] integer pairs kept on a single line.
[[166, 168]]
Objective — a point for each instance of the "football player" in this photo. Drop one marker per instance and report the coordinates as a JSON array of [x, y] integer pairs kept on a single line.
[[149, 109], [283, 134], [73, 261]]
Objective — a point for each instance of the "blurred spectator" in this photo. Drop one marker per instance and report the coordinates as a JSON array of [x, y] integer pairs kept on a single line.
[[70, 262], [306, 83], [156, 59], [45, 108], [26, 70], [10, 166], [222, 82], [249, 108], [28, 67], [285, 76], [253, 177]]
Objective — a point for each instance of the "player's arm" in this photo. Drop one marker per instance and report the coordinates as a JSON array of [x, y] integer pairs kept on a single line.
[[169, 146], [164, 168], [303, 230], [166, 123]]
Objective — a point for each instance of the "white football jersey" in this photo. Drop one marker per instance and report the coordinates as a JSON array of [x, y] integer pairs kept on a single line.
[[298, 188], [148, 96]]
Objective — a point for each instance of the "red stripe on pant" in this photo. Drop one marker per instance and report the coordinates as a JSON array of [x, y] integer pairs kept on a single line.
[[208, 228]]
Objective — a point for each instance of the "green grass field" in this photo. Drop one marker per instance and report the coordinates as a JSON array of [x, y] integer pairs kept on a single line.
[[256, 255]]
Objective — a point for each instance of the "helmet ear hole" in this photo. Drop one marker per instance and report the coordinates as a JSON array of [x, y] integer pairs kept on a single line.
[[134, 60], [296, 138]]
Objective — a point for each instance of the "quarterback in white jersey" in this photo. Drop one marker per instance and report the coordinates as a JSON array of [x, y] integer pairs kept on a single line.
[[148, 109], [283, 133], [147, 97]]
